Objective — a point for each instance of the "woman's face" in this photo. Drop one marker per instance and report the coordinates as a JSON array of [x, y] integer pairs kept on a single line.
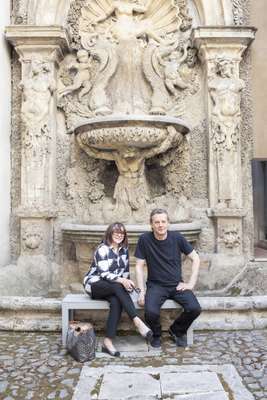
[[118, 236]]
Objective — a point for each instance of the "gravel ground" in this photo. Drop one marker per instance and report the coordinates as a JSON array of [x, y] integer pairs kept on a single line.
[[34, 365]]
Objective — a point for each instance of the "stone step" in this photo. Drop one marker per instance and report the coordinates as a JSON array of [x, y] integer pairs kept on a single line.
[[219, 313]]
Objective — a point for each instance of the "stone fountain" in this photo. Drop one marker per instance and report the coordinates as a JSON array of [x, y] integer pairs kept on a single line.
[[129, 141], [122, 101]]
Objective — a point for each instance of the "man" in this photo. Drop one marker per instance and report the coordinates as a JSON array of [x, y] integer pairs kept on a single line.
[[161, 251]]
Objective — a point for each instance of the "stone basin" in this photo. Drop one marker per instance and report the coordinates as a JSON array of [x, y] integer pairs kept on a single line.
[[94, 233], [117, 131], [85, 238]]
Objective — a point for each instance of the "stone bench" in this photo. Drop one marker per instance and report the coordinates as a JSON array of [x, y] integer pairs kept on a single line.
[[83, 302]]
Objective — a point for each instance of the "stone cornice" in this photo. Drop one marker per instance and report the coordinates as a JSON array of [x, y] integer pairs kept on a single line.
[[242, 35], [226, 213], [211, 40], [31, 36]]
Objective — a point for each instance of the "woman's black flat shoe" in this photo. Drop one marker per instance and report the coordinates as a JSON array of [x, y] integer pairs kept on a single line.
[[111, 353]]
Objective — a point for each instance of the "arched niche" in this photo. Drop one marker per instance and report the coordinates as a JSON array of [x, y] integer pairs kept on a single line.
[[205, 12]]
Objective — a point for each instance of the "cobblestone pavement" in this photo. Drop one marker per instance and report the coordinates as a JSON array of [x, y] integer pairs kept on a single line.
[[34, 365]]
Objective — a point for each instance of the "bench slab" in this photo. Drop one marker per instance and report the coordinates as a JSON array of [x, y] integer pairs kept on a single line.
[[84, 302]]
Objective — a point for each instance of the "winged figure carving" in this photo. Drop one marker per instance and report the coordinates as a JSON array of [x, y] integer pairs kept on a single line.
[[122, 20]]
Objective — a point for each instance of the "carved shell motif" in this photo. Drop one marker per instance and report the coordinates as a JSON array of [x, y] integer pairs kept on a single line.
[[122, 20]]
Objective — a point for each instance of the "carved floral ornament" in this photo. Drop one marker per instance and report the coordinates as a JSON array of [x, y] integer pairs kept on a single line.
[[32, 237], [230, 237]]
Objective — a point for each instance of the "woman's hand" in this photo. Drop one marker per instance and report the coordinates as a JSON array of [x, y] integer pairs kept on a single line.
[[126, 283]]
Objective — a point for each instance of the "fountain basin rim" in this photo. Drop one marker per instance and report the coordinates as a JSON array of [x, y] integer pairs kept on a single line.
[[93, 233], [130, 120]]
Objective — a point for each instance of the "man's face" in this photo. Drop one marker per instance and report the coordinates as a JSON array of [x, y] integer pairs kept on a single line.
[[159, 224]]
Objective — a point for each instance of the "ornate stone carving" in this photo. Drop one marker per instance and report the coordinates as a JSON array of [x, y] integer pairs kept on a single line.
[[162, 68], [19, 12], [32, 237], [82, 78], [238, 15], [184, 15], [131, 189], [230, 237], [135, 61], [131, 45], [114, 137], [37, 91], [225, 88]]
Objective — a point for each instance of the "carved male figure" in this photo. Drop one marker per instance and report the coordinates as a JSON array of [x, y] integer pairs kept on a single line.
[[37, 91], [225, 89], [161, 250]]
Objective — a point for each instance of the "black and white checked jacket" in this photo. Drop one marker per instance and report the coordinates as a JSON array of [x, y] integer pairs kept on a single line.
[[107, 265]]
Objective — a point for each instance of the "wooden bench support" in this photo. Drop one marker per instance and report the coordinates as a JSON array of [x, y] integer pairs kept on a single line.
[[83, 302]]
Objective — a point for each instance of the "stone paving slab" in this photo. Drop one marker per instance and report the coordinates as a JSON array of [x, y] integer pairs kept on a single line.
[[201, 396], [129, 385], [129, 346], [192, 382]]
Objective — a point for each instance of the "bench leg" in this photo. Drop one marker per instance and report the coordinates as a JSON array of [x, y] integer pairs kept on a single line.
[[190, 336], [71, 315], [65, 323]]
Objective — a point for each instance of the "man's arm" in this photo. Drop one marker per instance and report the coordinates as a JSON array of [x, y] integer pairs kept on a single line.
[[194, 257], [140, 280]]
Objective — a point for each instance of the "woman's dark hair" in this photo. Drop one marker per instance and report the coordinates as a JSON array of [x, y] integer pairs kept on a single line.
[[116, 227]]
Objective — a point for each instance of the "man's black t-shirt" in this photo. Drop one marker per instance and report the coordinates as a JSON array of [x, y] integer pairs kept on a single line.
[[163, 257]]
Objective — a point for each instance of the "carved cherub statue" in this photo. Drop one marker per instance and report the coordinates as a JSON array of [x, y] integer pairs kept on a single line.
[[82, 79], [171, 65]]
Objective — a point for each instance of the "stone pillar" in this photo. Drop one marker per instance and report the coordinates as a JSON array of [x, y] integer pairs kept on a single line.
[[40, 49], [220, 50]]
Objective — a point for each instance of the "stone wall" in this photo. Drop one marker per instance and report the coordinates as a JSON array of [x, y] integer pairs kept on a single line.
[[259, 78], [5, 109]]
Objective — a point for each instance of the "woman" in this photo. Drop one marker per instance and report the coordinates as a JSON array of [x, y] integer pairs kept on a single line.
[[108, 279]]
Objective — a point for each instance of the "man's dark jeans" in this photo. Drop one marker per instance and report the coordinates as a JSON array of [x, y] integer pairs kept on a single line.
[[156, 296]]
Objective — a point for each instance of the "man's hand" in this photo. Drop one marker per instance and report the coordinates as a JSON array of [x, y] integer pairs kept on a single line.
[[126, 283], [182, 286], [141, 299]]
